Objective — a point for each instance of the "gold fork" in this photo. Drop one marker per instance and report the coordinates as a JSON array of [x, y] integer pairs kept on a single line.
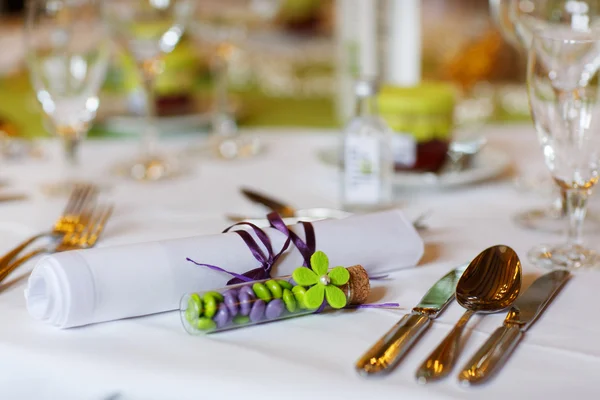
[[81, 197], [86, 235]]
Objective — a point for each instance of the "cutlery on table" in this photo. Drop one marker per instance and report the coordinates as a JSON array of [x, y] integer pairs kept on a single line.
[[291, 216], [81, 197], [287, 211], [12, 197], [284, 210], [491, 283], [86, 235], [389, 350], [495, 351]]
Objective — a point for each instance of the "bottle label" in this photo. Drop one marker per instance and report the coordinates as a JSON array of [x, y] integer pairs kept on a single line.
[[362, 161], [404, 148]]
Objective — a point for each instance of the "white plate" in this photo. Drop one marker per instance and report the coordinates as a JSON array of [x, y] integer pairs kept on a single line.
[[130, 125], [488, 164]]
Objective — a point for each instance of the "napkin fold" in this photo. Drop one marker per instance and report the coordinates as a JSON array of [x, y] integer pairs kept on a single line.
[[103, 284]]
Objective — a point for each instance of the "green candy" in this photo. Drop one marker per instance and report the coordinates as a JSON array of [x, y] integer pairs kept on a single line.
[[241, 319], [210, 305], [289, 300], [205, 324], [218, 296], [285, 285], [274, 288], [194, 308], [299, 293], [261, 291]]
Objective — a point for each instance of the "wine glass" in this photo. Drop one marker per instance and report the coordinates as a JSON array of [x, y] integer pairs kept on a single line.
[[67, 55], [149, 29], [224, 27], [564, 97], [518, 19]]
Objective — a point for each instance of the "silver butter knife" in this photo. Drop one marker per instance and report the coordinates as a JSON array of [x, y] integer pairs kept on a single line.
[[525, 310], [390, 349]]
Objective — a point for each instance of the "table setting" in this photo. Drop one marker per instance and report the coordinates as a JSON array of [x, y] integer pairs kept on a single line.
[[393, 255]]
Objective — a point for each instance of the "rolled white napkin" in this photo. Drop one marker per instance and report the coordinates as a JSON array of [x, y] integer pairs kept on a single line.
[[88, 286]]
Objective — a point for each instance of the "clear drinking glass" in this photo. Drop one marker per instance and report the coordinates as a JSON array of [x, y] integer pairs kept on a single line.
[[149, 29], [518, 19], [67, 56], [563, 87], [224, 27]]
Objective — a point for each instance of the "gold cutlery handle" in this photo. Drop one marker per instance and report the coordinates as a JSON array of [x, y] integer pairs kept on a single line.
[[7, 269], [491, 356], [390, 349], [441, 361], [10, 256]]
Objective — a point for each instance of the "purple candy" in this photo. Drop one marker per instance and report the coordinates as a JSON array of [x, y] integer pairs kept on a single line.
[[247, 289], [231, 301], [258, 310], [233, 292], [246, 303], [221, 318], [274, 309]]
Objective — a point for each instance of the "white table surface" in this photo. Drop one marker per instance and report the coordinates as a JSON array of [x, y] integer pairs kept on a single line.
[[311, 357]]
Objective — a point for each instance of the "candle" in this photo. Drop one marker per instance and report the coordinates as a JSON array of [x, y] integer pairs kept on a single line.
[[367, 38], [404, 43]]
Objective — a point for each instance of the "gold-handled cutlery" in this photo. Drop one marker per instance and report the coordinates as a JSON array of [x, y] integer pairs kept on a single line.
[[491, 283], [284, 210], [82, 196], [391, 348], [86, 235], [495, 351]]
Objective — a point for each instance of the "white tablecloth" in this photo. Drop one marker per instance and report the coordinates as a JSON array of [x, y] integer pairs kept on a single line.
[[310, 357]]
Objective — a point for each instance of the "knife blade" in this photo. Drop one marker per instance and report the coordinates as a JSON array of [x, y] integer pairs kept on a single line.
[[285, 210], [526, 309], [390, 349]]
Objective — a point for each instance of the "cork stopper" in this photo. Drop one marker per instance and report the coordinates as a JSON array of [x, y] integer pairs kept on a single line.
[[358, 287]]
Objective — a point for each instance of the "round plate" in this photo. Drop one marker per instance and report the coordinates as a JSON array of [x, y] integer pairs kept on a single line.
[[488, 164]]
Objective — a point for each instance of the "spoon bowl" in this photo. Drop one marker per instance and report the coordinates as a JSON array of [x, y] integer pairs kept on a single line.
[[491, 283]]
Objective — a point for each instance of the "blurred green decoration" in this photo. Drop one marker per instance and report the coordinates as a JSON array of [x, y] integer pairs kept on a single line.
[[304, 99]]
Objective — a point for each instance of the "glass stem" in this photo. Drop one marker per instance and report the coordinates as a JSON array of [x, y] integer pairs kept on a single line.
[[150, 135], [70, 139], [576, 206], [223, 123]]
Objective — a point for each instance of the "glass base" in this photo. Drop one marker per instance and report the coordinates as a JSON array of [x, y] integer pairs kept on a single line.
[[150, 168], [231, 148], [567, 256], [234, 147], [552, 220]]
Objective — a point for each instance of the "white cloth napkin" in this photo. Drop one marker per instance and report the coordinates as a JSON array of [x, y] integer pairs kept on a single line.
[[88, 286]]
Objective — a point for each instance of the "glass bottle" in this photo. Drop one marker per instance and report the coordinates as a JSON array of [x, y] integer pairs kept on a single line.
[[367, 156]]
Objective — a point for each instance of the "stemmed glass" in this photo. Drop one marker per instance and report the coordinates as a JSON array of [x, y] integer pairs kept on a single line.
[[518, 19], [224, 27], [149, 29], [563, 88], [67, 55]]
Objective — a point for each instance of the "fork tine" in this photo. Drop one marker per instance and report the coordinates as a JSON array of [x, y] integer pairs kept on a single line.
[[89, 233], [73, 198], [87, 195], [99, 227]]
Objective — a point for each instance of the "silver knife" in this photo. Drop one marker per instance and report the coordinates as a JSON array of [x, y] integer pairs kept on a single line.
[[525, 310], [285, 210], [390, 349]]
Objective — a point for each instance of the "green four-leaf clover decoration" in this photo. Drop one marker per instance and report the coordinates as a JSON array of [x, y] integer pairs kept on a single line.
[[323, 284]]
